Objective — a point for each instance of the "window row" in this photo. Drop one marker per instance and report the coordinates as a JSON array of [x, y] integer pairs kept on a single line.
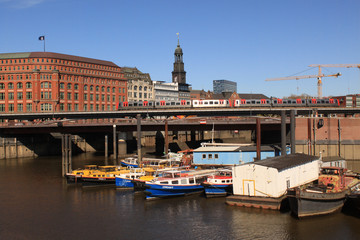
[[19, 95], [210, 156], [20, 108]]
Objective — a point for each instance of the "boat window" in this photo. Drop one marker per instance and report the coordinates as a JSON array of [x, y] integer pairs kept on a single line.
[[191, 180], [223, 181], [183, 181], [163, 182], [175, 182], [204, 156], [216, 156], [210, 156]]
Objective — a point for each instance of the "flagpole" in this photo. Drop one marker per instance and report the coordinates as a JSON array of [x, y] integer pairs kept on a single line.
[[44, 44]]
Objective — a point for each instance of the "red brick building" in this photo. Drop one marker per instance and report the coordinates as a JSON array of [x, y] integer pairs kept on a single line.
[[47, 82]]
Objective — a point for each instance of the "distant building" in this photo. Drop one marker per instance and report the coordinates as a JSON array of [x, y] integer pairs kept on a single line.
[[139, 85], [166, 91], [52, 82], [197, 94], [349, 100], [220, 86]]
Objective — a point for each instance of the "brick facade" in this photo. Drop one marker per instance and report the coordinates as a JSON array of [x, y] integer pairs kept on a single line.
[[47, 82]]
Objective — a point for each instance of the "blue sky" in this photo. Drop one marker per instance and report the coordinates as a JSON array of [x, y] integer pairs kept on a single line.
[[246, 41]]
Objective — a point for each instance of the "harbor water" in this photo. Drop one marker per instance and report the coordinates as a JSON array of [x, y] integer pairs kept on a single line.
[[37, 203]]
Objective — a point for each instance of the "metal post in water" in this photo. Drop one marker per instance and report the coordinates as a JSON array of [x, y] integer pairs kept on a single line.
[[283, 133], [138, 129], [292, 131], [166, 138], [106, 146], [63, 154], [114, 141], [69, 166], [258, 139]]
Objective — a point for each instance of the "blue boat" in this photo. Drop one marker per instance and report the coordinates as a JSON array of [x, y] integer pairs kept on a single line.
[[219, 184], [175, 183], [130, 162], [125, 180]]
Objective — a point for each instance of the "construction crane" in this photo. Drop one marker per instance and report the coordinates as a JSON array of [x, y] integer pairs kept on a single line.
[[318, 77]]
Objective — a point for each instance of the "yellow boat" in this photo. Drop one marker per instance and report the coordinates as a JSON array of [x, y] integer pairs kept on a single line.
[[104, 175], [75, 175]]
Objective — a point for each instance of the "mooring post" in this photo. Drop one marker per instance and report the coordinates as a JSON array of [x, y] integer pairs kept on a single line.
[[283, 133], [292, 130], [309, 136], [63, 154], [69, 168], [166, 138], [258, 139], [114, 142], [106, 146], [138, 129], [66, 154]]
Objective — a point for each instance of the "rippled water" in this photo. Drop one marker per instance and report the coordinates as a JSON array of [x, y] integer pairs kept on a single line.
[[36, 203]]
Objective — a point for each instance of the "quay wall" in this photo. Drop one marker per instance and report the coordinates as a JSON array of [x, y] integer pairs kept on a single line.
[[328, 137]]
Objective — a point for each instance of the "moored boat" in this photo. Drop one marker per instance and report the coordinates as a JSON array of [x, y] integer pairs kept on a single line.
[[125, 180], [176, 183], [220, 184], [105, 175], [130, 162], [324, 197], [76, 175]]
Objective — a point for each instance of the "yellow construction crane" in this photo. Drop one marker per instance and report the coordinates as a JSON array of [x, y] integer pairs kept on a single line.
[[318, 77]]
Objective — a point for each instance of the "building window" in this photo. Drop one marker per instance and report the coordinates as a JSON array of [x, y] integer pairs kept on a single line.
[[69, 86], [11, 107], [20, 107], [76, 96], [91, 88], [103, 89], [85, 97], [19, 95], [11, 95], [91, 97], [46, 107], [10, 86], [76, 86], [97, 88], [91, 107], [102, 97], [2, 86], [19, 85], [28, 95], [76, 107], [61, 95], [62, 85], [2, 107], [113, 90], [61, 107], [2, 96], [85, 107], [69, 107], [85, 87], [29, 107], [97, 97], [69, 96]]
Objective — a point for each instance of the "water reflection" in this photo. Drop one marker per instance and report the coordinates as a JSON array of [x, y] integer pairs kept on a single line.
[[36, 203]]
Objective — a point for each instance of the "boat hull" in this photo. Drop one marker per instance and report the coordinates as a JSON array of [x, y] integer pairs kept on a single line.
[[98, 181], [73, 178], [217, 190], [307, 204], [125, 183], [163, 191]]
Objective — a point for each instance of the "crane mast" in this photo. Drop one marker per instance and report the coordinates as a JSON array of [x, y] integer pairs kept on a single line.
[[319, 77]]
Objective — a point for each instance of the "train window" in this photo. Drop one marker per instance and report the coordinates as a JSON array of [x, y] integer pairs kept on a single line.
[[243, 101], [211, 102], [177, 103], [205, 103], [253, 101]]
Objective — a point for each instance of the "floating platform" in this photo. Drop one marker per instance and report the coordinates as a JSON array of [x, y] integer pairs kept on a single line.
[[255, 202]]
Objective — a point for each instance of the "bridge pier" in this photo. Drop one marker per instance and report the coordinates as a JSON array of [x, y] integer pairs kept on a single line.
[[121, 144]]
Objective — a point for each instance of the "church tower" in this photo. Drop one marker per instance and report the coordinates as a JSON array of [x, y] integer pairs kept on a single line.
[[179, 74]]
